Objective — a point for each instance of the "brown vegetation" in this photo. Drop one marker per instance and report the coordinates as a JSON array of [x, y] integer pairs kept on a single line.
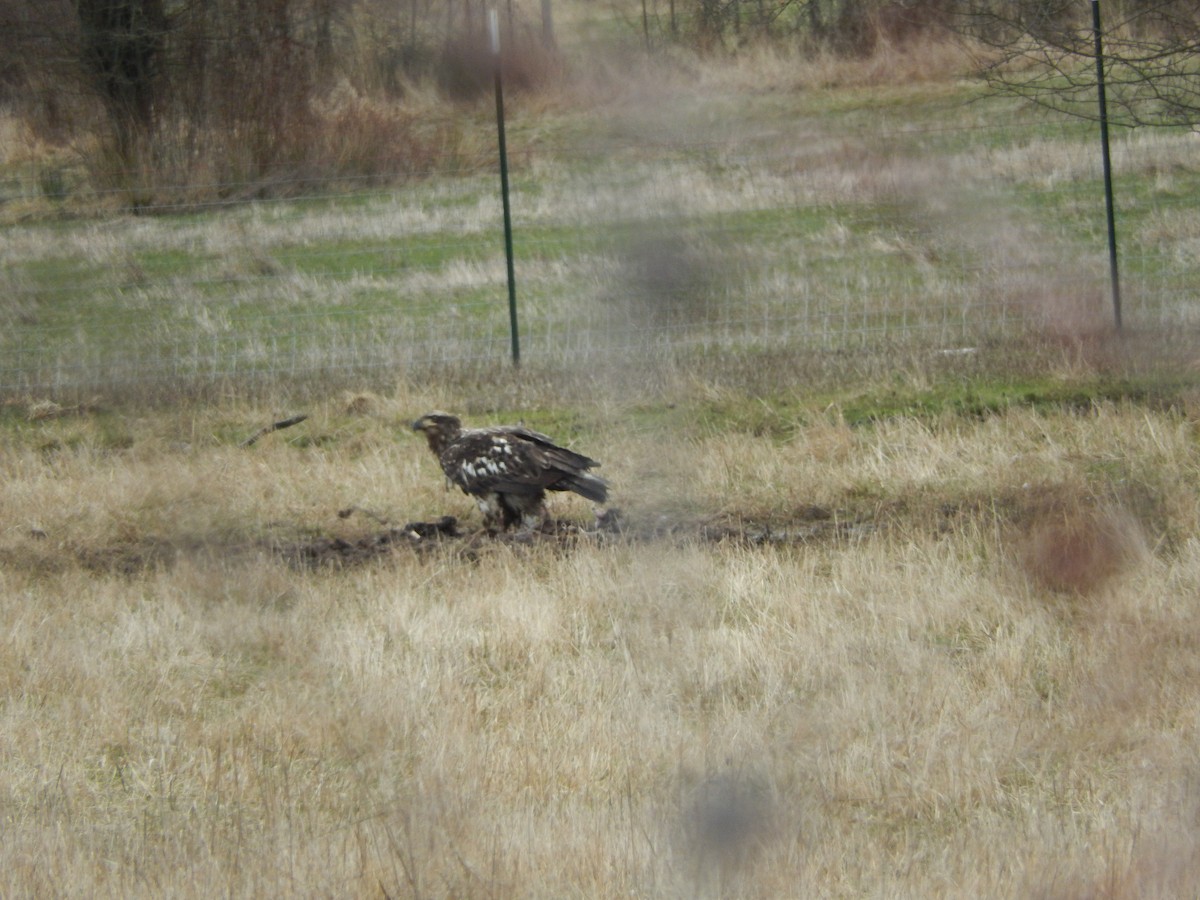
[[923, 650], [154, 104], [950, 658]]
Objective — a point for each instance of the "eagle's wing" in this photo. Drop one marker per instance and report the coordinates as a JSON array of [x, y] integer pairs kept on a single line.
[[485, 460], [559, 457], [513, 460]]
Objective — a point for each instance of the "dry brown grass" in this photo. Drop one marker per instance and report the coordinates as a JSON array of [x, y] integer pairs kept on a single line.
[[907, 708]]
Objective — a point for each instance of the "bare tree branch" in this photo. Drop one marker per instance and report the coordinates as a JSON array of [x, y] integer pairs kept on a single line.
[[1045, 52], [274, 426]]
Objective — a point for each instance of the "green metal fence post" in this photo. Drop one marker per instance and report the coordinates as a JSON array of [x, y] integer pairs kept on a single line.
[[494, 27], [1113, 274]]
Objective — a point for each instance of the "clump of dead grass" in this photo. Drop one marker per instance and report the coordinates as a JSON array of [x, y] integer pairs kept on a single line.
[[934, 56]]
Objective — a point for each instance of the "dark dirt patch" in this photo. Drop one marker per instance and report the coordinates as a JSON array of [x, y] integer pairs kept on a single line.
[[805, 525], [327, 551], [441, 534], [128, 558], [42, 557], [39, 554], [1056, 531]]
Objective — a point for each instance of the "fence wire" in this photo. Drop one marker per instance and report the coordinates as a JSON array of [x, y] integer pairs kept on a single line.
[[788, 240]]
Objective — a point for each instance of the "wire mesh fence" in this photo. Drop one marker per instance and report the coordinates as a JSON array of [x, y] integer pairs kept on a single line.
[[794, 238]]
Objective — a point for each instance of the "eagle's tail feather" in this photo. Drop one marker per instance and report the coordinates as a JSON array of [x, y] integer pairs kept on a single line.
[[589, 486]]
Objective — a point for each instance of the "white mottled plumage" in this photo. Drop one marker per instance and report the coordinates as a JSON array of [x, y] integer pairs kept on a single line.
[[508, 469]]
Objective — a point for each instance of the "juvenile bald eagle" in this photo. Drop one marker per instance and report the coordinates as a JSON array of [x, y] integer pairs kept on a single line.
[[508, 469]]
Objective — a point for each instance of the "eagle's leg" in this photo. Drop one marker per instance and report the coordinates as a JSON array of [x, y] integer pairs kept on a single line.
[[529, 510], [531, 523], [495, 515], [510, 511], [502, 512]]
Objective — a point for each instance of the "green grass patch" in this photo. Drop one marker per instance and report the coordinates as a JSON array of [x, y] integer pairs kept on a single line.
[[979, 398], [722, 247]]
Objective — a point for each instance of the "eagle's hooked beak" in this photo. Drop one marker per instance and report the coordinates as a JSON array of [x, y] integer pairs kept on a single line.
[[420, 424]]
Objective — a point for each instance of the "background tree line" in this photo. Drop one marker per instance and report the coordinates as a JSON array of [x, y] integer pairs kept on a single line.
[[246, 95], [239, 94]]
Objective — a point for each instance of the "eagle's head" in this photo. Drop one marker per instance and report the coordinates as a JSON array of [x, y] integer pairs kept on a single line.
[[439, 428]]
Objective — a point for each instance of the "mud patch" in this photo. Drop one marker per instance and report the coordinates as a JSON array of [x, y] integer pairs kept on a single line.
[[40, 557], [442, 534], [1063, 536], [128, 558], [339, 551], [40, 554], [805, 525]]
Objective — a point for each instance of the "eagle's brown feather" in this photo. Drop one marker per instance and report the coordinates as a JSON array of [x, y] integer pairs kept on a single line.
[[508, 468]]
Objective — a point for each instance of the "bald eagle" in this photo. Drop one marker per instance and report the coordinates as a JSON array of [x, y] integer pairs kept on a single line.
[[508, 469]]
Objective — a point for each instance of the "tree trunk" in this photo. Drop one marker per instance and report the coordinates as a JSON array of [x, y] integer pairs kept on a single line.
[[122, 46]]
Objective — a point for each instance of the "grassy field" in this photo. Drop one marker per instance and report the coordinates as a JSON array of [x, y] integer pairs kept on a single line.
[[947, 653], [672, 212], [896, 618]]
